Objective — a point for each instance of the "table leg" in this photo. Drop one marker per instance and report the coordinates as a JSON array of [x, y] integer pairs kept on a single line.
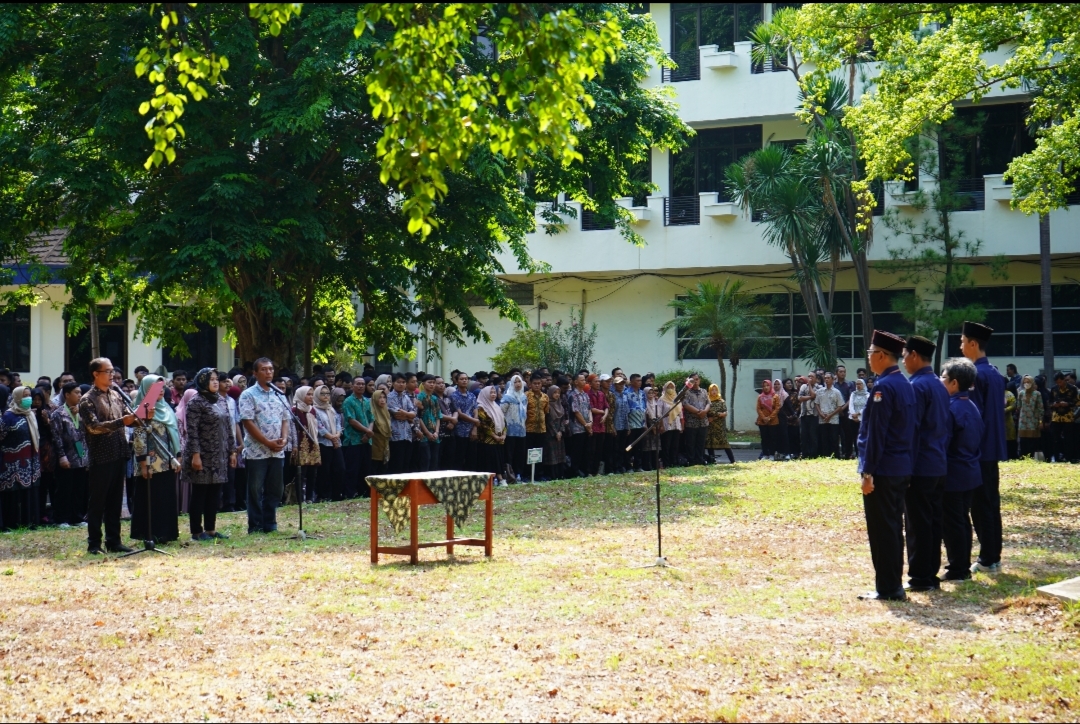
[[414, 523], [449, 534], [489, 515], [374, 525]]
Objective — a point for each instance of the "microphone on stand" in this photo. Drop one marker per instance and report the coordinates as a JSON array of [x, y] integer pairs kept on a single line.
[[277, 389]]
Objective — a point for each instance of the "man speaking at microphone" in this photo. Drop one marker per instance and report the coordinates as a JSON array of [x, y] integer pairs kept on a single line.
[[264, 415], [104, 416]]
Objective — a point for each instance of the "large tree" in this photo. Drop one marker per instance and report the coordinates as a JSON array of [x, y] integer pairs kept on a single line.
[[274, 219]]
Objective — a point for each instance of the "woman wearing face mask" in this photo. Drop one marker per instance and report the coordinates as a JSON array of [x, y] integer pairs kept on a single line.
[[380, 440], [307, 456], [20, 474], [514, 408], [1029, 423], [42, 407], [673, 425], [69, 505], [154, 471], [650, 446], [209, 453], [328, 484]]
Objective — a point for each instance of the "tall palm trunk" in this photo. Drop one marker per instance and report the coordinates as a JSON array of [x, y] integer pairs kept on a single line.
[[723, 371], [734, 382], [95, 332], [1046, 298]]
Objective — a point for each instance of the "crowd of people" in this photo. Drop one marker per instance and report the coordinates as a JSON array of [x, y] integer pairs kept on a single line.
[[818, 415]]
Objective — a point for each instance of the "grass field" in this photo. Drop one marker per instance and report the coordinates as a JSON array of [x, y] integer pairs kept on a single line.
[[758, 621]]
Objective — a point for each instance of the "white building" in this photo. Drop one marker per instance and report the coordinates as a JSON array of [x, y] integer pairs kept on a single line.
[[692, 233]]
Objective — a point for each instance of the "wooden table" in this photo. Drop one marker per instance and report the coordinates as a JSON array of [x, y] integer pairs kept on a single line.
[[419, 494]]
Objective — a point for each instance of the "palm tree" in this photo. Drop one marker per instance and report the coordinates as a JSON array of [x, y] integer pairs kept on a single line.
[[724, 319]]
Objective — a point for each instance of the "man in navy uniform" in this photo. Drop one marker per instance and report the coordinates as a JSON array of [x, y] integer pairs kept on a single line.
[[886, 446], [988, 394], [964, 476], [922, 521]]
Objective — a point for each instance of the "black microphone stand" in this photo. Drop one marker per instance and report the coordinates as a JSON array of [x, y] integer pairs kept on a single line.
[[149, 546], [300, 534], [661, 561]]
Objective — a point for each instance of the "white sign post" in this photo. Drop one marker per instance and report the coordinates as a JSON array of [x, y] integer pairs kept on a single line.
[[536, 455]]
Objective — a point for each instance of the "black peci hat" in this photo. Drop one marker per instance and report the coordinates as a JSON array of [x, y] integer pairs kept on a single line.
[[974, 330], [921, 345], [888, 342]]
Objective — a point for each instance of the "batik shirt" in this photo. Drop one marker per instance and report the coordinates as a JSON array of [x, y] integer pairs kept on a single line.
[[579, 402], [635, 415], [536, 416], [621, 416], [698, 399], [464, 402], [1069, 395], [267, 410], [400, 430], [430, 414]]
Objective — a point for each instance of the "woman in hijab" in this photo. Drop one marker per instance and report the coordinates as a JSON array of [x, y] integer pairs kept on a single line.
[[768, 419], [515, 407], [778, 389], [1029, 422], [183, 487], [307, 456], [789, 420], [555, 437], [672, 425], [209, 453], [650, 446], [380, 441], [491, 433], [20, 474], [155, 471], [716, 438], [328, 483], [857, 403], [42, 408]]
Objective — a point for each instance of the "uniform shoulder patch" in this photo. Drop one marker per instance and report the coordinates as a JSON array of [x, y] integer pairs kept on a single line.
[[877, 397]]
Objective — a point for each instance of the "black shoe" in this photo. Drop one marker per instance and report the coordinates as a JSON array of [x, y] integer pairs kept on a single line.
[[202, 537], [219, 536], [118, 548], [95, 551], [921, 587], [875, 596]]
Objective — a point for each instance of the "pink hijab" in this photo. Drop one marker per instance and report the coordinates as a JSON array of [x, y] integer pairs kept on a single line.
[[181, 407], [494, 412]]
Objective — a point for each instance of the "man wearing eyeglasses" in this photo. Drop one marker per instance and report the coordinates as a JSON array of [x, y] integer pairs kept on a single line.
[[104, 418], [886, 460]]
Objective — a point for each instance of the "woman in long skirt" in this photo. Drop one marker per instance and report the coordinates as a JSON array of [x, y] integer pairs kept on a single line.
[[491, 433], [555, 436], [208, 454], [156, 469], [306, 455], [650, 446], [20, 473], [716, 438], [673, 425]]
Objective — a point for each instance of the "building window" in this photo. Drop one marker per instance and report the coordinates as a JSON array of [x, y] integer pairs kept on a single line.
[[113, 340], [696, 24], [700, 167], [1015, 315], [981, 141], [15, 339], [202, 347]]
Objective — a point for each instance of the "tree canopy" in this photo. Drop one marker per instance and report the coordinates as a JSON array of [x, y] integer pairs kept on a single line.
[[929, 56], [275, 219]]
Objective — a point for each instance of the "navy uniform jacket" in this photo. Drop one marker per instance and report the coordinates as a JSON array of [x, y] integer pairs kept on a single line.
[[887, 432], [988, 394], [967, 433], [931, 423]]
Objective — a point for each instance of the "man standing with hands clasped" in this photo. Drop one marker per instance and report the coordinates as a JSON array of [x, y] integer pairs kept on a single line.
[[988, 395], [923, 519], [885, 464], [265, 419]]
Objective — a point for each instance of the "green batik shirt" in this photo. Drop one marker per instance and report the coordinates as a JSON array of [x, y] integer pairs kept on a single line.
[[359, 410]]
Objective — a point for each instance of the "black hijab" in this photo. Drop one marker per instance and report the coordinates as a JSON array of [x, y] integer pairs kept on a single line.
[[202, 383]]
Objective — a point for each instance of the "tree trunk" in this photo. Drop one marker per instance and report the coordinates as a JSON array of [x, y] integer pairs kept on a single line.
[[723, 376], [95, 332], [309, 332], [1046, 299], [946, 285], [257, 338], [734, 381]]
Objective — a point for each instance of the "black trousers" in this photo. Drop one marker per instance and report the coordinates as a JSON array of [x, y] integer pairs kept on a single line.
[[578, 448], [828, 439], [956, 533], [1029, 446], [669, 447], [493, 458], [106, 483], [69, 503], [808, 429], [401, 456], [986, 514], [695, 444], [621, 458], [448, 453], [515, 454], [596, 452], [240, 488], [329, 485], [465, 452], [1064, 435], [922, 523], [794, 440], [305, 482], [766, 433], [202, 508], [849, 435], [355, 469], [884, 509], [636, 457]]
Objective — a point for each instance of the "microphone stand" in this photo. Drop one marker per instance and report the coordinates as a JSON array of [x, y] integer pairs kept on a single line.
[[661, 561], [149, 545], [300, 534]]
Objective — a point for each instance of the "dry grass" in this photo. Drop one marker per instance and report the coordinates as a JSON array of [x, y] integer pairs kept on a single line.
[[759, 621]]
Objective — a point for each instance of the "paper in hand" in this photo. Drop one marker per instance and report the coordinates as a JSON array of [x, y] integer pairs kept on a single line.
[[145, 409]]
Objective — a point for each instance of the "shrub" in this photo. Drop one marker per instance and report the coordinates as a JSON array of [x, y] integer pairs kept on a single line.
[[567, 347], [679, 377]]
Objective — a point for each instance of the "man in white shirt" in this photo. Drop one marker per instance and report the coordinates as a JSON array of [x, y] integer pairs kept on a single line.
[[830, 403]]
